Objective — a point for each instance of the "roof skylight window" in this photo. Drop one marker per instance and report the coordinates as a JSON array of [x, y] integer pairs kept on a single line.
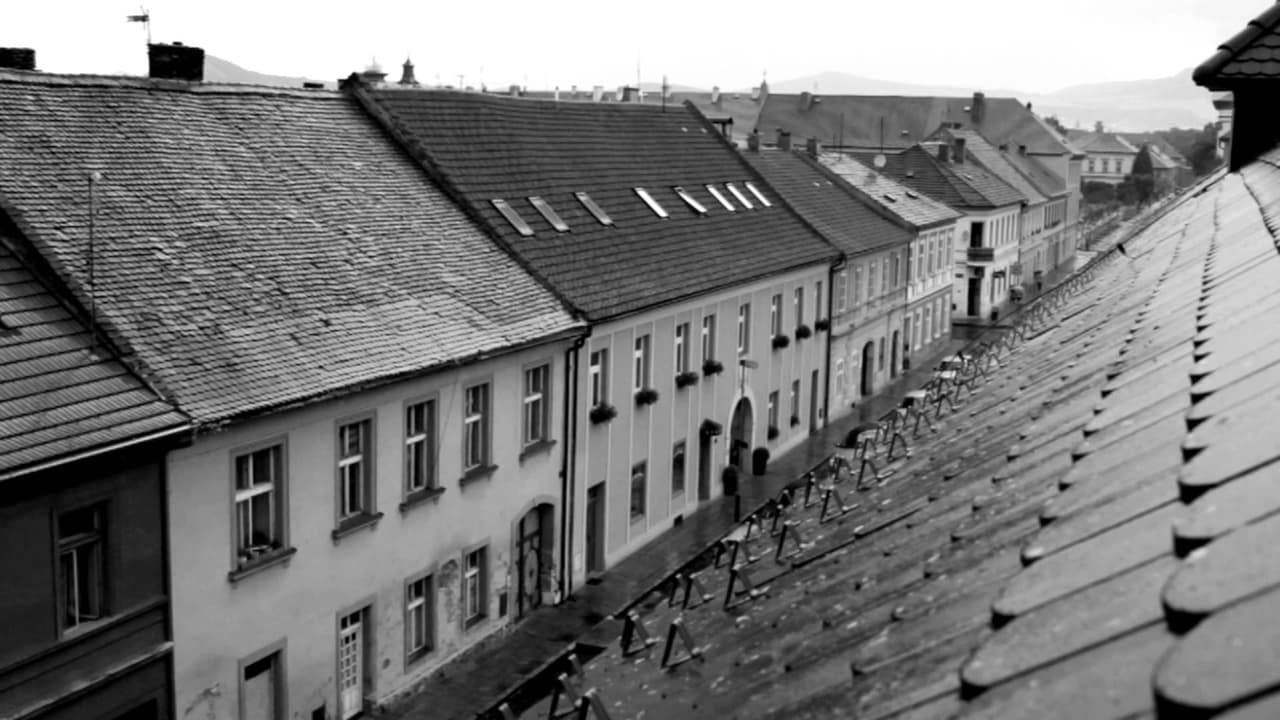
[[719, 196], [911, 194], [890, 198], [653, 204], [738, 194], [593, 208], [549, 213], [760, 196], [690, 201], [512, 217]]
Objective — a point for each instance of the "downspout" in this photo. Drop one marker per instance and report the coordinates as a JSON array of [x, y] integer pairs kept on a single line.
[[568, 464], [826, 376]]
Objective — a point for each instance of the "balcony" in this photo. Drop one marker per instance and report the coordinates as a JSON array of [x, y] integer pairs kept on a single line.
[[982, 254]]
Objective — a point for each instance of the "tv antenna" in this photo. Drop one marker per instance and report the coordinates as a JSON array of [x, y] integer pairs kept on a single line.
[[145, 19]]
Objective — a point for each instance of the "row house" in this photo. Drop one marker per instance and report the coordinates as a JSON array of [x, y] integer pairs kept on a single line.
[[986, 249], [377, 390], [871, 303], [705, 295], [85, 602]]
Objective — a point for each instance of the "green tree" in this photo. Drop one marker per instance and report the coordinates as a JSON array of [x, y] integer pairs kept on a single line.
[[1053, 122]]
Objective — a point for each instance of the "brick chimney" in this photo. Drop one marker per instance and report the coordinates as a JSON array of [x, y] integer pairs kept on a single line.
[[753, 142], [959, 151], [811, 147], [1022, 149], [18, 58], [176, 62], [630, 94], [978, 109], [784, 139], [944, 152], [806, 100]]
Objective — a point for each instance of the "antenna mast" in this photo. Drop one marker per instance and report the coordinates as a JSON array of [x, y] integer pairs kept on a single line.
[[145, 19]]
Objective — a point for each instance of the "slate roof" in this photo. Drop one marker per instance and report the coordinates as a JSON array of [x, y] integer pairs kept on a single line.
[[488, 148], [989, 157], [259, 247], [62, 394], [916, 209], [1090, 534], [959, 185], [1045, 180], [826, 202], [1252, 54], [1006, 120], [1104, 142]]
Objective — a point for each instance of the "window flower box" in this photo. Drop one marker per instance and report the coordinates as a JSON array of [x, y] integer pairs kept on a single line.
[[711, 428], [712, 367], [685, 379], [646, 396], [780, 341], [795, 420], [803, 332], [602, 413], [773, 432], [822, 325]]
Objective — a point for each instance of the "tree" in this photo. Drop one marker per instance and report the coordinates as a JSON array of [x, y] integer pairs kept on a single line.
[[1053, 122], [1142, 179], [1098, 127], [1204, 157]]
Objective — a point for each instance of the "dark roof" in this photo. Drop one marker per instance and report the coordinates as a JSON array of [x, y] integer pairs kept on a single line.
[[259, 247], [1252, 54], [916, 209], [1140, 139], [827, 203], [1045, 180], [61, 394], [1090, 535], [990, 157], [856, 120], [959, 185], [488, 148]]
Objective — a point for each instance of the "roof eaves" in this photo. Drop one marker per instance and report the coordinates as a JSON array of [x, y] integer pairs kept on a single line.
[[1206, 73]]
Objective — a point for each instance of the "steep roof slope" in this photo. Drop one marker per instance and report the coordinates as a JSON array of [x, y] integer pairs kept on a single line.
[[916, 209], [257, 247], [1104, 142], [510, 149], [1253, 53], [996, 162], [61, 393], [959, 185]]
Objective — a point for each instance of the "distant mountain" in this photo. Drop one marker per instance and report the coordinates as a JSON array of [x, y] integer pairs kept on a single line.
[[222, 71], [1133, 105]]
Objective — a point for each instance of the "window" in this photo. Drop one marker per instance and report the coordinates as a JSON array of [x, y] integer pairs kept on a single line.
[[690, 201], [512, 217], [775, 315], [911, 254], [937, 329], [259, 503], [896, 270], [474, 591], [739, 196], [598, 372], [708, 337], [759, 195], [871, 279], [682, 348], [537, 409], [355, 479], [420, 446], [842, 281], [82, 565], [839, 373], [884, 275], [773, 409], [593, 208], [642, 363], [549, 214], [795, 399], [1090, 165], [932, 252], [817, 301], [677, 468], [797, 305], [975, 235], [475, 427], [419, 630], [639, 496], [880, 362], [653, 204], [719, 196], [744, 328]]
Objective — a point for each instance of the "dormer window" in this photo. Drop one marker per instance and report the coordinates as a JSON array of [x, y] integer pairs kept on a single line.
[[690, 201], [740, 197], [760, 196], [719, 196], [593, 208], [512, 217], [653, 204], [549, 214]]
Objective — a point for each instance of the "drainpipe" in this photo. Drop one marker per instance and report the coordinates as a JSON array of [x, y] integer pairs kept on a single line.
[[826, 376], [568, 465]]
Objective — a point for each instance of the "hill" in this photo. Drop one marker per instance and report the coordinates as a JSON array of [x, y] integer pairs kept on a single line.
[[222, 71]]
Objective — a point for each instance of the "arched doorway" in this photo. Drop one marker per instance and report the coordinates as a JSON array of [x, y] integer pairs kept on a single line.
[[868, 366], [740, 428], [535, 543], [893, 353]]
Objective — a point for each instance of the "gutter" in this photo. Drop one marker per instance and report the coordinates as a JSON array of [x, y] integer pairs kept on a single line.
[[96, 452]]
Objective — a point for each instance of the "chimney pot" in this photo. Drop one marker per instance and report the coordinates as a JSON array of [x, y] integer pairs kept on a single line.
[[18, 58], [959, 151], [978, 109], [784, 139], [806, 100], [811, 147], [176, 62], [1022, 149], [944, 152], [753, 142]]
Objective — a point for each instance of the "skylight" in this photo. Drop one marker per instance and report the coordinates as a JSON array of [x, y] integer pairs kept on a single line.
[[890, 198], [738, 194], [512, 217], [593, 208], [912, 195], [549, 213], [759, 195], [719, 196], [653, 204], [690, 201]]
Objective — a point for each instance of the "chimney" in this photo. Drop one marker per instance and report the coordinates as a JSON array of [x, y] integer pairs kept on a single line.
[[17, 58], [959, 151], [176, 62], [753, 142], [630, 94], [1022, 149], [944, 152], [513, 90], [715, 95], [806, 100], [597, 93], [811, 147], [406, 77], [978, 109], [784, 139], [1028, 107]]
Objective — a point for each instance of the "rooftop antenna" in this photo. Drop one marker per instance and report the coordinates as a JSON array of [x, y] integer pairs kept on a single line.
[[145, 19]]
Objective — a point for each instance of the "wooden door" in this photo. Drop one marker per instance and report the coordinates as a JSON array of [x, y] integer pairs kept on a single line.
[[350, 666], [595, 528]]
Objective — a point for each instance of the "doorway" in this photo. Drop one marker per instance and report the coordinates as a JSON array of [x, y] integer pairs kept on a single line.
[[868, 367], [533, 557], [813, 403], [893, 353], [352, 651], [740, 435], [975, 297], [595, 528], [704, 466]]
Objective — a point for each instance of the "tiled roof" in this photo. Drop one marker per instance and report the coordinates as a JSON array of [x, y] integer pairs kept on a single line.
[[60, 395], [1045, 180], [1140, 139], [1104, 142], [916, 209], [1090, 534], [827, 203], [259, 247], [491, 148], [857, 121], [989, 157], [959, 185], [1253, 53]]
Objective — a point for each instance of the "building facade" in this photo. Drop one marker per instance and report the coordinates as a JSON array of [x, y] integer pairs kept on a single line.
[[1108, 156]]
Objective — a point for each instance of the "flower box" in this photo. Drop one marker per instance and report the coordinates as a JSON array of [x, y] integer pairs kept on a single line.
[[646, 396], [602, 413], [686, 378]]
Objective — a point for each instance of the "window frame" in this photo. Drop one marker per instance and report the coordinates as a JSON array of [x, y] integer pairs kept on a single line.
[[751, 187], [737, 194], [652, 203], [280, 503], [680, 470], [642, 363], [775, 315], [594, 208], [795, 399], [428, 439], [744, 328], [719, 196], [842, 291], [690, 200], [367, 460], [708, 337], [98, 540], [681, 347], [543, 396], [427, 603], [797, 304], [772, 406], [598, 376], [640, 470], [548, 213], [481, 575], [485, 421], [512, 216]]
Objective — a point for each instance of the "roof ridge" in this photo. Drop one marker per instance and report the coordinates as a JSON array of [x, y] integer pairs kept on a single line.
[[137, 82]]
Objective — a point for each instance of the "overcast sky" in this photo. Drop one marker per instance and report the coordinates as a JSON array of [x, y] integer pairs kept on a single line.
[[1026, 45]]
